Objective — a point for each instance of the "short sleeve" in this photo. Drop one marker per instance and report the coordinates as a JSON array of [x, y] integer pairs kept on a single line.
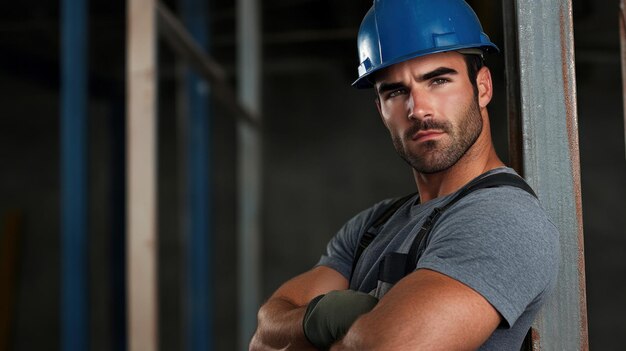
[[342, 246], [500, 243]]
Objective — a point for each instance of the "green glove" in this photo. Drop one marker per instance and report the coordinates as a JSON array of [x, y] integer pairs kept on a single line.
[[328, 317]]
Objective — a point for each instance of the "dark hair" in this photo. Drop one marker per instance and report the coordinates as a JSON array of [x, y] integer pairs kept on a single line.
[[474, 63]]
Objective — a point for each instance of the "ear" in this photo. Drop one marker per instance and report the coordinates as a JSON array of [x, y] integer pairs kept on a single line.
[[485, 87]]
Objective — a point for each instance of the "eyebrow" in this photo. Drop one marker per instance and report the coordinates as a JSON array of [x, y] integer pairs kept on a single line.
[[440, 71], [383, 87], [437, 72]]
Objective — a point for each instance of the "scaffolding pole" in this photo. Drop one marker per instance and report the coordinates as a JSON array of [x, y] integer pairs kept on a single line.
[[186, 48], [245, 109], [249, 167], [74, 317], [142, 179], [542, 106], [198, 212]]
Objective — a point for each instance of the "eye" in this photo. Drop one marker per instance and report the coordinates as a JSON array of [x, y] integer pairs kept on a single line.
[[439, 81], [396, 92]]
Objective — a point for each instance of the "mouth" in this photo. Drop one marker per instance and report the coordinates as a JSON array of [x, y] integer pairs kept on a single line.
[[425, 135]]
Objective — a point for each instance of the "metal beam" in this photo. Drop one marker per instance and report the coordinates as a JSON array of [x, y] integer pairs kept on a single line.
[[198, 214], [249, 167], [179, 39], [141, 176], [540, 34], [74, 318]]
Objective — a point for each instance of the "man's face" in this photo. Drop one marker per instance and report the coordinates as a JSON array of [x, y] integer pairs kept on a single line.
[[430, 110]]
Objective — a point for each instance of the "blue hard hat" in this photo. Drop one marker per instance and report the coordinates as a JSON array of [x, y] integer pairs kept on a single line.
[[393, 31]]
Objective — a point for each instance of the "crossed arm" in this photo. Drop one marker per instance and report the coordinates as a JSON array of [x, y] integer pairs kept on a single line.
[[280, 318], [425, 310]]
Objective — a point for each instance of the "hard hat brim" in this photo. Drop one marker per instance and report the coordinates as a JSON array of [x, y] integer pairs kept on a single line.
[[363, 82]]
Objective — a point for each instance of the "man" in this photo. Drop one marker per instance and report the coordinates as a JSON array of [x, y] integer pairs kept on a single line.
[[490, 258]]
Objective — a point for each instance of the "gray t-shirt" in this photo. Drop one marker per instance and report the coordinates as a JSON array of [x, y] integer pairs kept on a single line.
[[498, 241]]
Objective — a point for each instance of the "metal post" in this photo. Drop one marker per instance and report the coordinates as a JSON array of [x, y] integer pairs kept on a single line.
[[185, 47], [542, 33], [199, 312], [74, 320], [247, 112], [141, 176], [249, 167]]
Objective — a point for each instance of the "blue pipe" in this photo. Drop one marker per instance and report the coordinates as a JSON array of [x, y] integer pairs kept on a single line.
[[74, 320], [200, 308]]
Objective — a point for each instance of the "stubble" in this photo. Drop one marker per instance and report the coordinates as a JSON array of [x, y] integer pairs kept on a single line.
[[435, 156]]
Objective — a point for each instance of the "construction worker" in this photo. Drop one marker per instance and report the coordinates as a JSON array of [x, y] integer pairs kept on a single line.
[[467, 261]]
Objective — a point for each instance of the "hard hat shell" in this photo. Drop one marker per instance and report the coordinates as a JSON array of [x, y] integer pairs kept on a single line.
[[393, 31]]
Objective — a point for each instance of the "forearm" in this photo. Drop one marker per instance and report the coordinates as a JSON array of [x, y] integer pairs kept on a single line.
[[280, 327], [359, 337]]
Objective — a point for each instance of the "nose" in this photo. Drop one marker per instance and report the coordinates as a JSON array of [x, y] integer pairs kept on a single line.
[[419, 106]]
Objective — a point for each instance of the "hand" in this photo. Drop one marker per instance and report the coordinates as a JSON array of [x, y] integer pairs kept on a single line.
[[328, 317]]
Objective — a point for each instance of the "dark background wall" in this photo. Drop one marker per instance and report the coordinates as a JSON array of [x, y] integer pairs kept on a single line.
[[326, 157]]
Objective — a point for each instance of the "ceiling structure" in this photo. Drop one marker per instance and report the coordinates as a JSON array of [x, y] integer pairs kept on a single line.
[[295, 33]]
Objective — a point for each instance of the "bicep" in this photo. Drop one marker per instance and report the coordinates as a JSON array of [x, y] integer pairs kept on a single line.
[[304, 287], [426, 311]]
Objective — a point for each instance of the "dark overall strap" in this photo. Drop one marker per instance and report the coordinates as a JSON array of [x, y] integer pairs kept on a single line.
[[489, 181], [372, 231]]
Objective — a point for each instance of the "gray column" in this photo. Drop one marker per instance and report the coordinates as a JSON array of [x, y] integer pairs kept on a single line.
[[542, 89], [249, 167]]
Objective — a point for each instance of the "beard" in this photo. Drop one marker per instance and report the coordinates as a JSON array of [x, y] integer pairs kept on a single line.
[[439, 155]]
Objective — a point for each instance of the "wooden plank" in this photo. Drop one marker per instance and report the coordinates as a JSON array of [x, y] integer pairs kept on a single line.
[[141, 176], [549, 147]]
